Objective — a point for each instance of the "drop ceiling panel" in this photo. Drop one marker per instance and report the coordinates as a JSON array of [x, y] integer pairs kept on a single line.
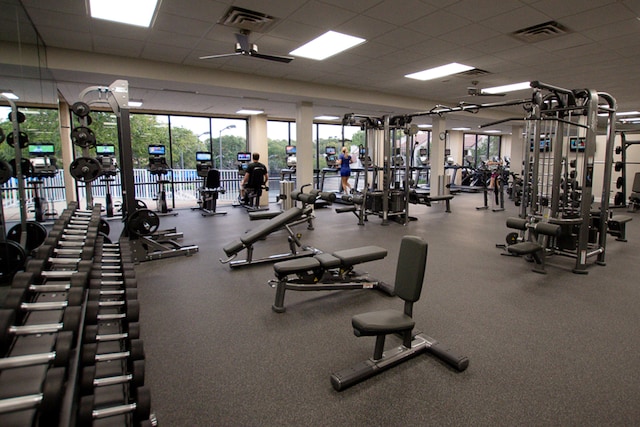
[[315, 12], [410, 10]]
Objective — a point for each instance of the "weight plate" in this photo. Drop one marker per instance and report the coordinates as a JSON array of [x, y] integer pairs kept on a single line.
[[619, 182], [23, 139], [143, 222], [85, 169], [25, 167], [12, 259], [81, 109], [140, 204], [52, 395], [36, 234], [21, 117], [512, 238], [83, 137], [6, 172]]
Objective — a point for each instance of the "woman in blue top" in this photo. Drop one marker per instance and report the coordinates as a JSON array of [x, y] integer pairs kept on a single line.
[[345, 170]]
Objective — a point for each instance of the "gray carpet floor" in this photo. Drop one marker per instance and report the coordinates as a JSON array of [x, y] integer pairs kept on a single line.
[[544, 350]]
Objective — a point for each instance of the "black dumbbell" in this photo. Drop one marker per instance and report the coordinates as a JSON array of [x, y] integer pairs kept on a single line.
[[91, 335], [90, 355], [24, 279], [140, 407], [17, 300], [110, 294], [88, 380], [48, 402], [59, 356], [128, 282], [128, 311], [70, 322]]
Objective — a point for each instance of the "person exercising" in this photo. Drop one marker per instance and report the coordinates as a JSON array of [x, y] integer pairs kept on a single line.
[[255, 177], [344, 161]]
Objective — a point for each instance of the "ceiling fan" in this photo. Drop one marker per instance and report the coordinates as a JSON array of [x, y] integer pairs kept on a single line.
[[476, 91], [243, 47]]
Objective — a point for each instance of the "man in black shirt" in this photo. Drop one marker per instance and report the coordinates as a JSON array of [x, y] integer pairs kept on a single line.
[[255, 177]]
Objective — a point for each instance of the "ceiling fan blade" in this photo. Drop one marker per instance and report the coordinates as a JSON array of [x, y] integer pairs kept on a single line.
[[243, 40], [223, 55], [277, 58]]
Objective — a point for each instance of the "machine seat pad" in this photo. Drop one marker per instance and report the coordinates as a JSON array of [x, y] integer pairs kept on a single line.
[[354, 256], [297, 265], [381, 322], [524, 248], [328, 261], [441, 197], [273, 224], [620, 219]]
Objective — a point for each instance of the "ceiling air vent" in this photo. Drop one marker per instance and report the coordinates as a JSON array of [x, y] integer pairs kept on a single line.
[[540, 32], [245, 19], [474, 73]]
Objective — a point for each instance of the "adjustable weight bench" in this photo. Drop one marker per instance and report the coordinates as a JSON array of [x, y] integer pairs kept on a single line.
[[617, 226], [536, 245], [327, 272], [285, 220], [410, 269]]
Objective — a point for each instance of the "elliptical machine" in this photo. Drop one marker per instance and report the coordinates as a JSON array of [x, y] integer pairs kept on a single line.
[[106, 156], [43, 161], [158, 166]]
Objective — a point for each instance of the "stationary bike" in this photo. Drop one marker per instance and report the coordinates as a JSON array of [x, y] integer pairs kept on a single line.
[[208, 192], [43, 161], [106, 156]]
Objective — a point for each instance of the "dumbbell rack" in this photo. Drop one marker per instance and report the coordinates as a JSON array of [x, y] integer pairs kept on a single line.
[[70, 352]]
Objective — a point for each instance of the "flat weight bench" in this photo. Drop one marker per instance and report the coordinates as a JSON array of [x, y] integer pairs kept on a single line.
[[286, 220], [424, 198], [533, 246], [616, 226], [327, 272]]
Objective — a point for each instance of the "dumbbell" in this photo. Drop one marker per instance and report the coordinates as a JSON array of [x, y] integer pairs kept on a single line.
[[90, 334], [130, 314], [88, 380], [128, 282], [48, 402], [37, 266], [102, 272], [90, 355], [70, 322], [59, 356], [122, 294], [48, 251], [140, 408], [17, 300], [25, 279]]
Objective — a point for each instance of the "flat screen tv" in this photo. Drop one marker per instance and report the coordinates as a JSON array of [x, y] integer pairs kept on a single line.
[[106, 150], [244, 157], [157, 150], [290, 149], [41, 150], [203, 156], [577, 143]]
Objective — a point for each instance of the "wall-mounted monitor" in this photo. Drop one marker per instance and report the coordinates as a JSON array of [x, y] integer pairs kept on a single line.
[[577, 143], [545, 145], [330, 151], [157, 150], [105, 150], [244, 157], [41, 150], [203, 156], [290, 149]]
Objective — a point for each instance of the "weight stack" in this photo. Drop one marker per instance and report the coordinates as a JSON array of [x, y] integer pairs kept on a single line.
[[286, 187]]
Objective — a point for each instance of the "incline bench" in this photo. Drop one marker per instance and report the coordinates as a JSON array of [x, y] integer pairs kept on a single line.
[[325, 272], [286, 220]]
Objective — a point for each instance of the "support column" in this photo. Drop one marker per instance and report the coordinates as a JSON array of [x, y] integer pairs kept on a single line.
[[304, 143], [438, 177], [517, 150], [64, 118], [258, 143]]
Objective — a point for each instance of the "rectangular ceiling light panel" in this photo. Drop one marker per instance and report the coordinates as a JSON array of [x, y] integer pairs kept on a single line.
[[507, 88], [441, 71], [328, 44], [136, 12]]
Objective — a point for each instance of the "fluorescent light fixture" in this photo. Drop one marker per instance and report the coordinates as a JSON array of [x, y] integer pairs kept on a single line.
[[10, 95], [492, 131], [135, 103], [460, 128], [425, 126], [327, 118], [249, 111], [441, 71], [628, 113], [328, 44], [131, 12], [508, 88]]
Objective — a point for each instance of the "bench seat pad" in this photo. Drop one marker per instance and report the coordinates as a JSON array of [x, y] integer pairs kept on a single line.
[[381, 322], [354, 256]]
